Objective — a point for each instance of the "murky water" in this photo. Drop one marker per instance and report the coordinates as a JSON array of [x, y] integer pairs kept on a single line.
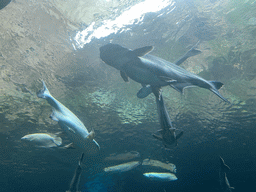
[[59, 41]]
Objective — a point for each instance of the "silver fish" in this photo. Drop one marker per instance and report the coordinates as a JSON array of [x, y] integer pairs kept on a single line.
[[224, 183], [164, 177], [70, 123], [44, 140], [123, 167]]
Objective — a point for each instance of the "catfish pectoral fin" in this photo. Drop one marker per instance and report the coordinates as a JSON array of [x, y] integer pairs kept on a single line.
[[53, 117], [157, 137], [167, 79], [124, 76], [144, 91]]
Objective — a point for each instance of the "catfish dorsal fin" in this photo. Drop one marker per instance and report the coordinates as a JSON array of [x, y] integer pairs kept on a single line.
[[216, 84], [142, 51]]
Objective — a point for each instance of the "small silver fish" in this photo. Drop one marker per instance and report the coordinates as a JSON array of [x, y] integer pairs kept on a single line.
[[164, 177], [44, 140], [123, 167], [224, 183], [155, 163]]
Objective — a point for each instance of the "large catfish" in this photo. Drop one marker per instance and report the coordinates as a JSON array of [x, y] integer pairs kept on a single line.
[[152, 71]]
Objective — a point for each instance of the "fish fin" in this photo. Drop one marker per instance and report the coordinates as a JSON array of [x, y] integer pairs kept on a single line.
[[223, 166], [69, 146], [43, 93], [157, 137], [91, 135], [124, 76], [144, 91], [178, 87], [71, 130], [192, 52], [160, 131], [81, 159], [96, 144], [53, 117], [216, 84], [47, 146], [181, 86], [57, 140], [167, 79], [179, 135], [157, 92], [219, 95], [142, 51], [60, 133]]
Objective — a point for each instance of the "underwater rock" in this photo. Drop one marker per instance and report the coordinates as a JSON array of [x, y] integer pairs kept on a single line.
[[155, 163], [123, 156], [123, 167]]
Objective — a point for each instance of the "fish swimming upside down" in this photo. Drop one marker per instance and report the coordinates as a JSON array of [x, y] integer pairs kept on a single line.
[[154, 71], [70, 123]]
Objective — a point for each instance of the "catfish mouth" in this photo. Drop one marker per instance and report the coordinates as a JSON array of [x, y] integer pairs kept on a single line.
[[106, 54]]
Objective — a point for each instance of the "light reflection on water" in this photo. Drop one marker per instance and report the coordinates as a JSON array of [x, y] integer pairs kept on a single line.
[[133, 15]]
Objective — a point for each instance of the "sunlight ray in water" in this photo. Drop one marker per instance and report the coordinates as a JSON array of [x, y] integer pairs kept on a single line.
[[133, 15]]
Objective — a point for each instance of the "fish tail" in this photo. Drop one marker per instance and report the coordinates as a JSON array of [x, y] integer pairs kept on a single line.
[[57, 141], [216, 85], [219, 95], [43, 93]]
